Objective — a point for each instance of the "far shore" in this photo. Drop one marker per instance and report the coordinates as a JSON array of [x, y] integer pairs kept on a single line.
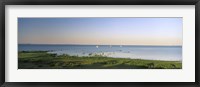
[[104, 45]]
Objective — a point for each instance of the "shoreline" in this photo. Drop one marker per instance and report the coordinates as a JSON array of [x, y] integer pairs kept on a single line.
[[99, 54], [108, 45], [107, 54]]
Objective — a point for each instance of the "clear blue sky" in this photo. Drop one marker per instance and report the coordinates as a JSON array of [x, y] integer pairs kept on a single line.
[[111, 31]]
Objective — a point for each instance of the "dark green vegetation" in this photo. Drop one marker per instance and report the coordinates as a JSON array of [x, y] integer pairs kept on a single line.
[[44, 60]]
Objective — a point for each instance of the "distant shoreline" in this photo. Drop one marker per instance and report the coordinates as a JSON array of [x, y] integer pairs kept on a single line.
[[106, 45]]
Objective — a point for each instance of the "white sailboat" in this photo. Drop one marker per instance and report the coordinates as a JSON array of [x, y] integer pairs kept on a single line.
[[97, 46]]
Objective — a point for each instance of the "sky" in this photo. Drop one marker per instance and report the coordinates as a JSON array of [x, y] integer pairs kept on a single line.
[[100, 31]]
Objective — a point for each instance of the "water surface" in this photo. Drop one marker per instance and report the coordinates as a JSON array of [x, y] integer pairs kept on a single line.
[[169, 53]]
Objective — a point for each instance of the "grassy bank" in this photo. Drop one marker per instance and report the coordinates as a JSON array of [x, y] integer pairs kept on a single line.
[[44, 60]]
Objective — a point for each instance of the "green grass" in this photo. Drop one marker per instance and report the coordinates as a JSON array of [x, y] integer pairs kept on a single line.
[[44, 60]]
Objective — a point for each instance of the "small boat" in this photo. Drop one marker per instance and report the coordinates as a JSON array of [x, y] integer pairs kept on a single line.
[[97, 46]]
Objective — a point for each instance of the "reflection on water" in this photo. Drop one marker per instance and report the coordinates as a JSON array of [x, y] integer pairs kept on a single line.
[[172, 53]]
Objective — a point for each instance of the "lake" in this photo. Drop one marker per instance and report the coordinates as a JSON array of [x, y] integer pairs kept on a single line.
[[168, 53]]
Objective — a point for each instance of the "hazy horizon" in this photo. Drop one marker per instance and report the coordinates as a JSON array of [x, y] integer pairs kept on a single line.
[[101, 31], [96, 44]]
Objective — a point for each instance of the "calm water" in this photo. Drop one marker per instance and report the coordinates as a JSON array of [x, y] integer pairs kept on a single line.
[[172, 53]]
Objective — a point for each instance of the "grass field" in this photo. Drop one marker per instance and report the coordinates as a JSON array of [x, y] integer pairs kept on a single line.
[[44, 60]]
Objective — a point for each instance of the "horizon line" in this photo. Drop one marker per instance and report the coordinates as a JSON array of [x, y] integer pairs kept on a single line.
[[95, 44]]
